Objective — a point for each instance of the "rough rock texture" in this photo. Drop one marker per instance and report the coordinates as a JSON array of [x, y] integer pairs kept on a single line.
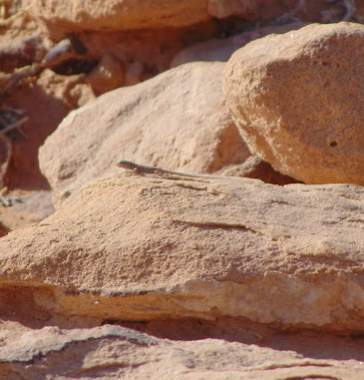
[[144, 50], [166, 276], [113, 352], [143, 14], [297, 101], [176, 121], [255, 167], [181, 246], [90, 15], [118, 14]]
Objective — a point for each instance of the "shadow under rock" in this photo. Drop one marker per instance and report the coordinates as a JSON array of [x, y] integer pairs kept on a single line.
[[309, 344], [45, 111]]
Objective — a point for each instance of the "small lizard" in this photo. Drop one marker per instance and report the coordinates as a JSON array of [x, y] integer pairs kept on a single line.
[[143, 169]]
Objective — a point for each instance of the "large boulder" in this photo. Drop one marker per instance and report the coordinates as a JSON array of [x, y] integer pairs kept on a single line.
[[297, 99], [178, 246], [177, 121]]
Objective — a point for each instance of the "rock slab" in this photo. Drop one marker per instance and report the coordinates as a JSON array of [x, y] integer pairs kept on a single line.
[[178, 246], [112, 352]]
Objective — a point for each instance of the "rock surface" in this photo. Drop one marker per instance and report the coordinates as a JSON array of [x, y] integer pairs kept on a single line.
[[119, 14], [297, 101], [159, 275], [113, 352], [176, 121], [90, 15], [143, 14], [181, 246]]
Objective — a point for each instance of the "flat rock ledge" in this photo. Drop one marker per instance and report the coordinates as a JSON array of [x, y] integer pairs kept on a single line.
[[176, 246], [113, 352]]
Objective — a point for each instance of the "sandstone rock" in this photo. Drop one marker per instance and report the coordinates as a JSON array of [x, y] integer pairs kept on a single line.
[[113, 352], [76, 16], [61, 18], [255, 167], [177, 121], [178, 246], [118, 14], [220, 49], [297, 100]]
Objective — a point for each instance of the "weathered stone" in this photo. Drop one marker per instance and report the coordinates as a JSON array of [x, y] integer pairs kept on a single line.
[[297, 101], [113, 352], [78, 15], [179, 246], [94, 15], [176, 121], [118, 14]]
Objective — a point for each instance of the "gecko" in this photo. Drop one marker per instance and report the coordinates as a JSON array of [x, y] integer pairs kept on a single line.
[[143, 169]]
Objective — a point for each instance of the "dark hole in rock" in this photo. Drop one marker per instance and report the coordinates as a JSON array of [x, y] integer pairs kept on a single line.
[[75, 66], [333, 144]]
